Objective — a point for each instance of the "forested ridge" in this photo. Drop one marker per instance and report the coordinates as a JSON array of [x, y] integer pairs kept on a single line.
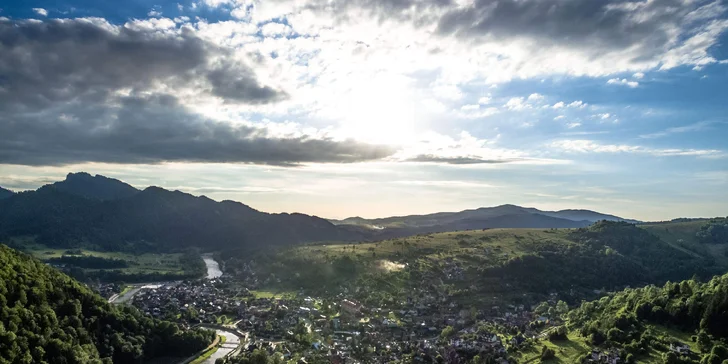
[[632, 320], [47, 317]]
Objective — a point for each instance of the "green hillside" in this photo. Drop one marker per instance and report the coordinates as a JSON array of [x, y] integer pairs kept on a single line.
[[483, 266], [47, 317], [685, 235], [643, 323]]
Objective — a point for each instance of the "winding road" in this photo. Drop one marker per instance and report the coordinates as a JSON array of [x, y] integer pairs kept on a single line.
[[232, 342]]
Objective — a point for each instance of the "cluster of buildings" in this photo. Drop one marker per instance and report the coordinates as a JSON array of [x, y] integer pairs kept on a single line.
[[606, 357], [193, 302]]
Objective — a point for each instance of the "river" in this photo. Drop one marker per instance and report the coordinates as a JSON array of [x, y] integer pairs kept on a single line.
[[213, 268]]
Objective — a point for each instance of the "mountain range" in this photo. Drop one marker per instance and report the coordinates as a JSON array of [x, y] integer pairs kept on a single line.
[[105, 213]]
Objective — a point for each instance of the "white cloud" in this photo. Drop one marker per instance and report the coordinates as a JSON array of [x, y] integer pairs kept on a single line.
[[154, 13], [516, 103], [577, 104], [470, 107], [275, 29], [216, 3], [699, 126], [573, 125], [559, 117], [484, 100], [40, 11], [558, 105], [638, 75], [589, 146], [535, 97], [623, 81]]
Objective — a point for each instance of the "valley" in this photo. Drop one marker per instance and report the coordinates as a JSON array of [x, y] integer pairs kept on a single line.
[[504, 284]]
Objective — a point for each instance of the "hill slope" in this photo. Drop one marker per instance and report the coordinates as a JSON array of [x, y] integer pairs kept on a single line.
[[485, 266], [645, 322], [5, 193], [153, 220], [47, 317]]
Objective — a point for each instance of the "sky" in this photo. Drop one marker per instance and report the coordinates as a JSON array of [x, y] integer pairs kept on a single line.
[[375, 108]]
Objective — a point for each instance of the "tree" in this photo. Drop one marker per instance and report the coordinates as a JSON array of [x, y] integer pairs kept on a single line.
[[562, 307], [447, 332]]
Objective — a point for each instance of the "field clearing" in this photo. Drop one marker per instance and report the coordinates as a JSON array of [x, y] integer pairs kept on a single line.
[[141, 263], [281, 294], [567, 351]]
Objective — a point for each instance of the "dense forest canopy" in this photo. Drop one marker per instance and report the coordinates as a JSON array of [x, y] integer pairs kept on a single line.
[[47, 317], [628, 319]]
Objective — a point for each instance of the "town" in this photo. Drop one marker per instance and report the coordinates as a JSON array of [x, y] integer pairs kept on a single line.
[[426, 327]]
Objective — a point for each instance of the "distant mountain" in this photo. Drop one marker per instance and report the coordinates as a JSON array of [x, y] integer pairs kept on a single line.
[[95, 187], [5, 193], [588, 215], [503, 216], [154, 219], [104, 213], [442, 218]]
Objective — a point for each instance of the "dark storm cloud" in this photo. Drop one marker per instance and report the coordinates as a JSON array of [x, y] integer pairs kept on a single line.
[[645, 28], [593, 23], [153, 129], [429, 158], [82, 90], [42, 63]]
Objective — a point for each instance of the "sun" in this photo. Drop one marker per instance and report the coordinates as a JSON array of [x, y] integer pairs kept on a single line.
[[381, 111]]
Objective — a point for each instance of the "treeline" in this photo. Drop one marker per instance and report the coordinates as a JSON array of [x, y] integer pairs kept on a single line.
[[714, 232], [89, 262], [47, 317], [623, 320]]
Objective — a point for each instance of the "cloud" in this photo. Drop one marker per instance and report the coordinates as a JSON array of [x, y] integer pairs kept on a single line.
[[699, 126], [573, 125], [61, 60], [84, 90], [589, 146], [638, 75], [623, 81], [644, 32], [577, 104], [558, 105], [147, 129], [516, 103], [535, 97], [429, 158], [40, 11]]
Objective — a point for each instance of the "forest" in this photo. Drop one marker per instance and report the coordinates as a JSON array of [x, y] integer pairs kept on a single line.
[[633, 320], [47, 317]]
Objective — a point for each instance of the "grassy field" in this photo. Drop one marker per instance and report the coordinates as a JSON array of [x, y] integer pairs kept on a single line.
[[682, 236], [273, 293], [143, 263]]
